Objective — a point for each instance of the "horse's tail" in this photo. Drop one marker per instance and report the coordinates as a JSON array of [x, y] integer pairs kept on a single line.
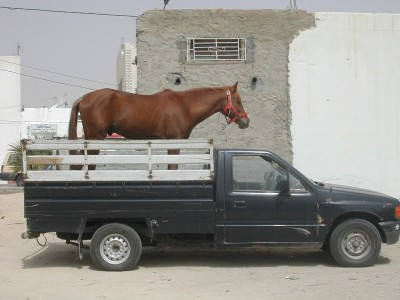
[[73, 121]]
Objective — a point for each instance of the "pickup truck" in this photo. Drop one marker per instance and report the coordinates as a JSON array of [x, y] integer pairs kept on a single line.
[[121, 195]]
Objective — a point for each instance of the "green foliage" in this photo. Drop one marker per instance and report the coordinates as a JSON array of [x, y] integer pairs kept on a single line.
[[16, 157], [16, 150]]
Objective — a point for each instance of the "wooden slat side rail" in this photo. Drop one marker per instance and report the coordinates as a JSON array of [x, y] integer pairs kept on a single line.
[[119, 160]]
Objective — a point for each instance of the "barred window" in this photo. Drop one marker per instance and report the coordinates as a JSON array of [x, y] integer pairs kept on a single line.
[[216, 49]]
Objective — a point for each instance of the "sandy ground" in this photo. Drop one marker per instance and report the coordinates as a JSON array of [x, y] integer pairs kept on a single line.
[[29, 271]]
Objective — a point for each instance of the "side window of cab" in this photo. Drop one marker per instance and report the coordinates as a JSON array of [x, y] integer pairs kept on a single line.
[[256, 173]]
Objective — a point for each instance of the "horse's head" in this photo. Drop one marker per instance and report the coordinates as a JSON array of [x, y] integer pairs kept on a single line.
[[234, 110]]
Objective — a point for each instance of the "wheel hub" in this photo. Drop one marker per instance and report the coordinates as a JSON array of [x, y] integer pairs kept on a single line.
[[356, 245], [115, 249]]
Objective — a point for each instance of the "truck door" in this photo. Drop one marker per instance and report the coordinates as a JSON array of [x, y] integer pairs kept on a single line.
[[266, 203]]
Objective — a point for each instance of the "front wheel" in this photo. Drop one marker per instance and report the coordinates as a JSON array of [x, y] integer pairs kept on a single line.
[[115, 247], [355, 243]]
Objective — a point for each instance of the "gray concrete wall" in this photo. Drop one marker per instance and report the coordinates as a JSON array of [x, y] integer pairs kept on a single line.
[[161, 43]]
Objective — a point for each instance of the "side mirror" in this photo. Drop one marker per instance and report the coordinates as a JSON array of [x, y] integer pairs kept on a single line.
[[285, 187]]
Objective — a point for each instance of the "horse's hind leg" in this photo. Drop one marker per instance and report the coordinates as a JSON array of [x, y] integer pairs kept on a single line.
[[92, 133], [88, 135], [173, 152], [81, 152], [75, 152]]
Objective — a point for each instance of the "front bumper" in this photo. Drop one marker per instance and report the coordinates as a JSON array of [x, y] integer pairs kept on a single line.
[[391, 230]]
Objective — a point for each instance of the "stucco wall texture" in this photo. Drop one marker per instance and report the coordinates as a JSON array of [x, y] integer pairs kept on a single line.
[[161, 43]]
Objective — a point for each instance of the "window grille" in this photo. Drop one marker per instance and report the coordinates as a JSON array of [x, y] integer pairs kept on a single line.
[[216, 49]]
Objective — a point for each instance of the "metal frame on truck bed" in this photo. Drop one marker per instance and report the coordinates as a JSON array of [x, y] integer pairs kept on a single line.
[[121, 160]]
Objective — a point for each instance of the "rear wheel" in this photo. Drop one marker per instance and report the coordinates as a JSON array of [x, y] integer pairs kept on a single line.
[[355, 243], [115, 247], [20, 180]]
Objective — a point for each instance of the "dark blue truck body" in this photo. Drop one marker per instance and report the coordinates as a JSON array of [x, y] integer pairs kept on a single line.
[[255, 198]]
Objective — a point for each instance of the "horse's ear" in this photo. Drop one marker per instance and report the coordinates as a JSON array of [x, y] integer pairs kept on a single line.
[[234, 88]]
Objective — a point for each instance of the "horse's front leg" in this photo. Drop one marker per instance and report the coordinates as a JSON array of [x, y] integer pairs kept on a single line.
[[173, 152]]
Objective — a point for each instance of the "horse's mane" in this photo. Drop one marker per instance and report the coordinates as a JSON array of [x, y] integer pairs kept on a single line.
[[197, 90]]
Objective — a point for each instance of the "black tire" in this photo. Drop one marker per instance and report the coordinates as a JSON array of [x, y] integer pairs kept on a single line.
[[20, 180], [355, 243], [115, 247]]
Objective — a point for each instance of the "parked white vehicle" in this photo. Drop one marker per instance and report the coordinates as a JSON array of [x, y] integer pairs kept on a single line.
[[7, 172]]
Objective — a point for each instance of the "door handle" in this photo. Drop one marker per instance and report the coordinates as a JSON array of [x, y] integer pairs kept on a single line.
[[239, 204]]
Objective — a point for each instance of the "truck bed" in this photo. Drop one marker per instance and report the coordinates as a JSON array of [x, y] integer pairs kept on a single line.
[[131, 182], [173, 207]]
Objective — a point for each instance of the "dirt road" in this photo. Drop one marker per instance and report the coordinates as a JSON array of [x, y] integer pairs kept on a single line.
[[29, 271]]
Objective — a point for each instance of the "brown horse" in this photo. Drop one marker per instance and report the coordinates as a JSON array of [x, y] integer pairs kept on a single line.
[[165, 115]]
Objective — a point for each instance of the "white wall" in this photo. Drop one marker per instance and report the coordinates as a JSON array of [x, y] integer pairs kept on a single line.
[[10, 102], [345, 95], [48, 118]]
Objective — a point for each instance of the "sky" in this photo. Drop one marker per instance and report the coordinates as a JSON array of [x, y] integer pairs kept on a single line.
[[82, 49]]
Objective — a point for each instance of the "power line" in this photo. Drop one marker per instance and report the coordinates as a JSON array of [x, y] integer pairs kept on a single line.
[[4, 107], [53, 81], [67, 12], [10, 122], [70, 76]]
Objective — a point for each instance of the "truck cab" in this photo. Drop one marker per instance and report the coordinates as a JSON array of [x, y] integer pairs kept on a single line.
[[266, 201]]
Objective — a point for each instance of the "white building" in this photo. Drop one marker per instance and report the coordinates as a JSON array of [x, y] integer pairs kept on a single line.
[[10, 103], [46, 122], [344, 91], [127, 68], [25, 123]]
